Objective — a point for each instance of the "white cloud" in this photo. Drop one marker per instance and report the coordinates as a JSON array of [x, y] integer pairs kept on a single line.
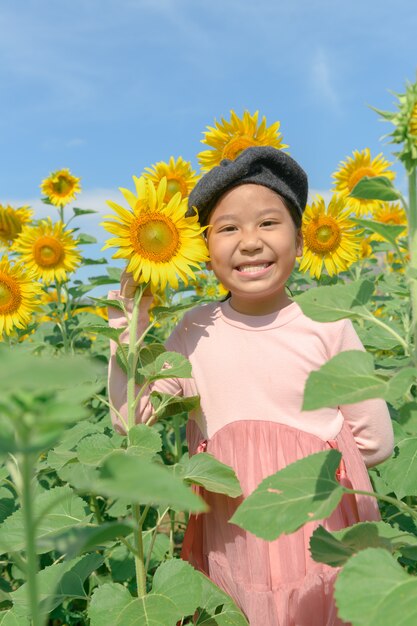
[[323, 81]]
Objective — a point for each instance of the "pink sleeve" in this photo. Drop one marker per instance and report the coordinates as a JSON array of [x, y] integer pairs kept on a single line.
[[369, 420], [117, 380]]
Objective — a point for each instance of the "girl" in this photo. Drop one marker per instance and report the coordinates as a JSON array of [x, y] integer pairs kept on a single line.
[[251, 356]]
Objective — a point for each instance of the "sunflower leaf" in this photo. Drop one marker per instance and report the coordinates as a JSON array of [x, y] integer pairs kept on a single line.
[[375, 188]]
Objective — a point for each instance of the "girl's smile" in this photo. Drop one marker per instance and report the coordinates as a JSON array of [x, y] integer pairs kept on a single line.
[[253, 244]]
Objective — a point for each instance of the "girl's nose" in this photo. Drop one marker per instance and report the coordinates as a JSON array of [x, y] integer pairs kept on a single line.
[[250, 242]]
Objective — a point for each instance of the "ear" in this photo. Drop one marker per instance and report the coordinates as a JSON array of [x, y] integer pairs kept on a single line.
[[299, 243]]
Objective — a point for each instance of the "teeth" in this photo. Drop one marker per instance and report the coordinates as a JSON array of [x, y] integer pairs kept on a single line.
[[252, 268]]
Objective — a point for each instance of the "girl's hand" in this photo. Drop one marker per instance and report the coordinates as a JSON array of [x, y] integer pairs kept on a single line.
[[128, 286]]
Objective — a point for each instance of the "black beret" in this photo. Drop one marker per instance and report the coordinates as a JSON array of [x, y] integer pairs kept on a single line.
[[261, 165]]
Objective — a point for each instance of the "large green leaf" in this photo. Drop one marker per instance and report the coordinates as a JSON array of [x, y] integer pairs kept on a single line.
[[77, 540], [303, 491], [337, 547], [144, 441], [205, 470], [178, 590], [59, 582], [374, 590], [335, 302], [390, 232], [92, 450], [11, 618], [126, 476], [375, 188], [350, 377], [64, 510], [400, 471]]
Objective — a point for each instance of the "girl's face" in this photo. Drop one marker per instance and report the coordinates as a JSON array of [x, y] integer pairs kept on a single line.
[[253, 244]]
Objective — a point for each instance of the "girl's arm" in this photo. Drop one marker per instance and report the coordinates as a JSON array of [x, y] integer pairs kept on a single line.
[[117, 380], [369, 420]]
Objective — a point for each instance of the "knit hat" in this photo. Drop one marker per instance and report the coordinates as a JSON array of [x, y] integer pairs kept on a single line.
[[261, 165]]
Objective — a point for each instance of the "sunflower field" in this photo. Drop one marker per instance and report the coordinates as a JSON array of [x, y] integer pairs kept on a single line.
[[92, 517]]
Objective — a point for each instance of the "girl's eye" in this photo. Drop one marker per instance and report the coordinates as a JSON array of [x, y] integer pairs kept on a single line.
[[269, 223], [227, 229]]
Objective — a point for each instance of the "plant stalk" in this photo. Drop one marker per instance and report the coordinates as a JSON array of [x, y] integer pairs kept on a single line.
[[412, 234], [32, 565]]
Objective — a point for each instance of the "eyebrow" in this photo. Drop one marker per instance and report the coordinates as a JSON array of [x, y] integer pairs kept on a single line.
[[231, 216]]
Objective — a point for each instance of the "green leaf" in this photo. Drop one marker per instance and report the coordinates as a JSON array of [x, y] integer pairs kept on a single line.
[[335, 302], [205, 470], [11, 618], [101, 261], [337, 547], [94, 449], [104, 330], [379, 337], [375, 188], [172, 405], [301, 492], [218, 609], [374, 590], [107, 602], [400, 471], [84, 239], [126, 476], [167, 365], [175, 579], [78, 211], [65, 510], [117, 304], [59, 582], [350, 377], [84, 539], [161, 312], [144, 441], [390, 232]]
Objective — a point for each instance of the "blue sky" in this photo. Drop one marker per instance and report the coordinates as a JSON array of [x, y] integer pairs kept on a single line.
[[108, 87]]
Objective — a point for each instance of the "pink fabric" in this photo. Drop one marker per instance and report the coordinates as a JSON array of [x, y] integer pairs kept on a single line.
[[275, 583], [255, 368]]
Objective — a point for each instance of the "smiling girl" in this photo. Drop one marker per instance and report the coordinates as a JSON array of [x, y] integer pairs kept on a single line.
[[251, 356]]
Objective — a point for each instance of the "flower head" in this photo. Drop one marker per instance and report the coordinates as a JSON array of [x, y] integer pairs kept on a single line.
[[389, 213], [12, 221], [60, 187], [353, 170], [330, 237], [229, 139], [159, 243], [19, 296], [49, 250], [206, 285], [179, 174]]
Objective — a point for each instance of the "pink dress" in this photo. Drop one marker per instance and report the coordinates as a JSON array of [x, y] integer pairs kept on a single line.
[[250, 374]]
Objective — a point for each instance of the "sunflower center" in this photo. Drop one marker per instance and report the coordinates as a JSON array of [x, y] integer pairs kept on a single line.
[[358, 175], [323, 235], [155, 237], [62, 185], [236, 145], [174, 185], [10, 296], [48, 252]]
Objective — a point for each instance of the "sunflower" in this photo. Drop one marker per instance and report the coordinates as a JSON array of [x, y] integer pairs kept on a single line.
[[229, 139], [330, 237], [353, 170], [19, 296], [206, 285], [60, 187], [158, 241], [49, 250], [12, 221], [389, 213], [179, 174], [366, 251]]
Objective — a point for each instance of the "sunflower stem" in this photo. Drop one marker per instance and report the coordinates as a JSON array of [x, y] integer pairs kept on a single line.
[[32, 565], [132, 357], [412, 225], [61, 323]]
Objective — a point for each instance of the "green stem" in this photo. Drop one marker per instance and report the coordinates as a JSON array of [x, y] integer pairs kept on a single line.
[[171, 533], [177, 434], [96, 509], [397, 503], [139, 556], [61, 323], [412, 234], [32, 565], [375, 320]]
